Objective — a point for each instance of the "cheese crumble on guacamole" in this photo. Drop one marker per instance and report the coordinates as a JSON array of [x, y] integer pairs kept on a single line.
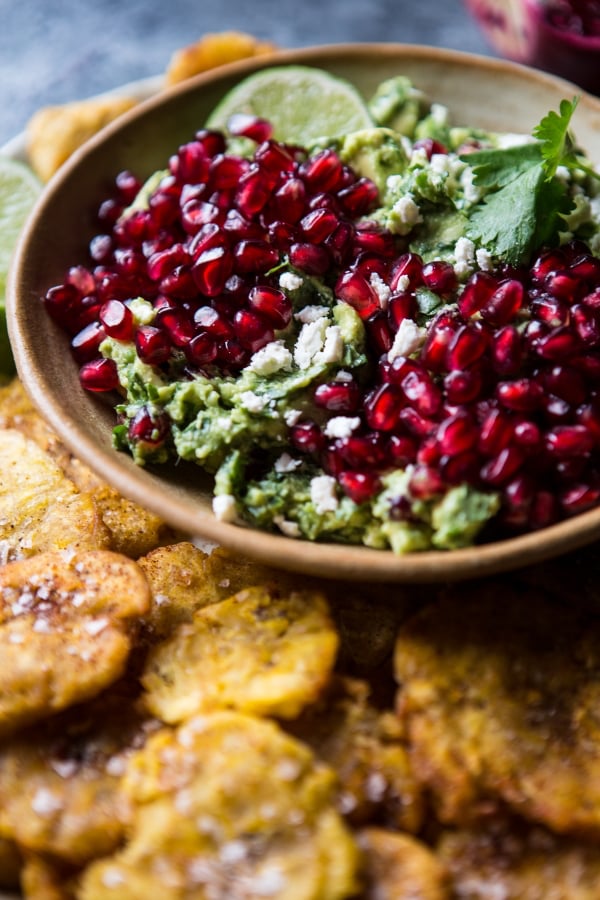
[[387, 338]]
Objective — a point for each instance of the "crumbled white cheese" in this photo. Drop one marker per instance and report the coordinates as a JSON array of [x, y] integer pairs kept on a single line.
[[381, 289], [323, 494], [343, 376], [311, 314], [287, 527], [269, 359], [407, 214], [470, 190], [341, 426], [289, 281], [286, 463], [403, 284], [408, 339], [439, 113], [418, 157], [292, 416], [252, 402], [464, 254], [311, 341], [225, 507], [333, 348], [484, 259]]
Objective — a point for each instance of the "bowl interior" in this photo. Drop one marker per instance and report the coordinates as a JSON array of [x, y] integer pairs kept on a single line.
[[479, 91]]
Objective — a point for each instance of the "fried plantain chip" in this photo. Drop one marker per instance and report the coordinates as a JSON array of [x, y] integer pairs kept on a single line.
[[229, 807], [54, 132], [364, 746], [60, 780], [132, 530], [400, 866], [500, 695], [66, 622], [185, 579], [260, 651], [41, 509], [510, 859], [214, 50]]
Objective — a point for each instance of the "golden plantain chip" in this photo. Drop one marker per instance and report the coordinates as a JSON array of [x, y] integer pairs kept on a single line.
[[229, 807], [364, 746], [515, 860], [55, 132], [41, 509], [66, 622], [260, 651], [60, 779], [214, 50], [400, 867]]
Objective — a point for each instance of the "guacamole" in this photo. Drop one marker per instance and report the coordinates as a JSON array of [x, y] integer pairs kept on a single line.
[[341, 424]]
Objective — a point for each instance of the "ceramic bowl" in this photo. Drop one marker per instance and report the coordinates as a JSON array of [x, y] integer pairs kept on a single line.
[[479, 91]]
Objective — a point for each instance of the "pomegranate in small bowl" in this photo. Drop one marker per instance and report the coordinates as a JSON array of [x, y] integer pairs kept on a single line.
[[558, 36]]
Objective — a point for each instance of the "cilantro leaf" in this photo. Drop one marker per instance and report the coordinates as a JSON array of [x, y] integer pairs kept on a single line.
[[497, 168], [525, 202], [556, 143]]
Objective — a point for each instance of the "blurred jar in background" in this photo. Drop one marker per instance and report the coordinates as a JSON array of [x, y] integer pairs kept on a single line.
[[559, 36]]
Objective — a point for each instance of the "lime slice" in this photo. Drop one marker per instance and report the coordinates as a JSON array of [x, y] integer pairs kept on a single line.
[[303, 104], [19, 188]]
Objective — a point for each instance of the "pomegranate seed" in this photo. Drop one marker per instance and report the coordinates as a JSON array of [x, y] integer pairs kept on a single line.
[[314, 260], [507, 351], [208, 319], [586, 321], [307, 437], [323, 172], [567, 383], [253, 192], [476, 293], [275, 157], [191, 163], [370, 238], [527, 435], [99, 375], [379, 333], [101, 247], [152, 345], [504, 303], [201, 350], [440, 277], [410, 266], [569, 440], [272, 304], [354, 289], [425, 482], [127, 186], [149, 428], [318, 225], [416, 423], [579, 498], [232, 354], [86, 343], [402, 450], [430, 146], [212, 142], [457, 434], [338, 396], [522, 394], [466, 346], [547, 262], [359, 198], [60, 301], [254, 256], [252, 330], [564, 285], [359, 486], [463, 387], [588, 415], [421, 392], [162, 263], [559, 344], [290, 200], [253, 127], [109, 211], [364, 450], [441, 332], [211, 270], [117, 320], [501, 468], [496, 432], [544, 510], [178, 325], [206, 238], [551, 310], [382, 407], [460, 468], [282, 235]]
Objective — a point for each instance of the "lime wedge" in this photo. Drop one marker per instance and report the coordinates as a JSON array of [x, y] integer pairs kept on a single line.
[[302, 103], [19, 188]]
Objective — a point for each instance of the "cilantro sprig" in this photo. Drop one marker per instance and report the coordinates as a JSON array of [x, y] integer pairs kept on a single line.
[[525, 203]]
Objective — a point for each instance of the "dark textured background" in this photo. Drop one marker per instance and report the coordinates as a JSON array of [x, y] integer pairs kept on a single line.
[[53, 51]]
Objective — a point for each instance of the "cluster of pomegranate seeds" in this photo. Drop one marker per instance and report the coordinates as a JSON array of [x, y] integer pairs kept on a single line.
[[578, 16], [502, 394]]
